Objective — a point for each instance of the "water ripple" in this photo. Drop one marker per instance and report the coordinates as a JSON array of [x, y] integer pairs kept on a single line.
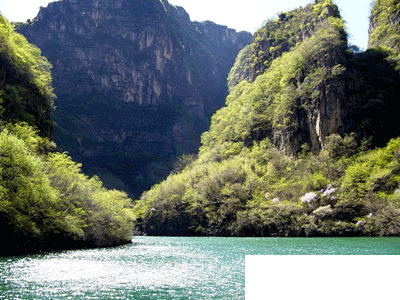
[[161, 267]]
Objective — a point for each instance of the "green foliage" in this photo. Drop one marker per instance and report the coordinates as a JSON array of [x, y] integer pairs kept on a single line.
[[374, 172], [262, 192], [26, 93], [27, 209], [385, 17], [289, 29], [182, 162], [35, 143], [47, 203], [294, 82], [95, 214], [241, 69]]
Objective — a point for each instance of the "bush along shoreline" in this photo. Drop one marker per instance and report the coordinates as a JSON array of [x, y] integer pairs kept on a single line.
[[262, 192], [47, 203]]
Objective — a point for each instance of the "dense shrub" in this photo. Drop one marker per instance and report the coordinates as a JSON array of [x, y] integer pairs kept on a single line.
[[47, 203]]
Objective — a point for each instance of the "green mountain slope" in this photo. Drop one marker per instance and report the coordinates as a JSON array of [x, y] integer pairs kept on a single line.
[[25, 82], [46, 202], [290, 154], [384, 29]]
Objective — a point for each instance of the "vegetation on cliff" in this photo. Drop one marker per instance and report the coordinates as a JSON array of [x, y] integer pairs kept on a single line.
[[241, 69], [385, 28], [25, 82], [292, 153], [282, 34], [46, 202]]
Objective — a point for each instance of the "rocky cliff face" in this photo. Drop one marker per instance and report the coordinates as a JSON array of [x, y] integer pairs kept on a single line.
[[320, 87], [315, 92], [281, 35], [136, 82]]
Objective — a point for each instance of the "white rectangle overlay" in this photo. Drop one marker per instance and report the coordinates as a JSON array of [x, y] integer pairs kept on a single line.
[[338, 277]]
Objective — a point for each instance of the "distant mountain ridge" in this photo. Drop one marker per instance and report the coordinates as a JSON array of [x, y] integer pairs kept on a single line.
[[136, 82]]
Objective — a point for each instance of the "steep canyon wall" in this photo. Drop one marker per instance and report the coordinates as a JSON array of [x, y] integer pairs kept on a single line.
[[136, 81]]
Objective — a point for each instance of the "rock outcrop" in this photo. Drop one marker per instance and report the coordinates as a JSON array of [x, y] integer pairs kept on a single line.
[[312, 104], [312, 85], [136, 82]]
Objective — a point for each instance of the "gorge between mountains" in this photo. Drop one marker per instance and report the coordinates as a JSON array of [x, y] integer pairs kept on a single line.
[[136, 81], [168, 127]]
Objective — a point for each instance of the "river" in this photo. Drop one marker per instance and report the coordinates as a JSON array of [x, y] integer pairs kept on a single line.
[[163, 267]]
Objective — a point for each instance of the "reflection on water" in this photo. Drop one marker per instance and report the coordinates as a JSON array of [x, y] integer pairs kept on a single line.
[[162, 267]]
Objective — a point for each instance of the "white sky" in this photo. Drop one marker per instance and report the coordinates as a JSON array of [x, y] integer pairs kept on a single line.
[[238, 14]]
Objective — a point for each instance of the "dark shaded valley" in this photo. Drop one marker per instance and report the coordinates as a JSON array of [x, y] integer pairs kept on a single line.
[[136, 81]]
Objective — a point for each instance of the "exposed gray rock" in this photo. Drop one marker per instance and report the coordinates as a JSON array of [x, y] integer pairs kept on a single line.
[[133, 77]]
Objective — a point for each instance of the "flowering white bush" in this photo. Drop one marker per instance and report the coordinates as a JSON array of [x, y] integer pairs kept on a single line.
[[276, 200], [329, 190], [309, 197], [323, 211], [359, 223]]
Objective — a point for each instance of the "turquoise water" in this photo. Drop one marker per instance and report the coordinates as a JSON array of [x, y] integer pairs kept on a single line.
[[163, 267]]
